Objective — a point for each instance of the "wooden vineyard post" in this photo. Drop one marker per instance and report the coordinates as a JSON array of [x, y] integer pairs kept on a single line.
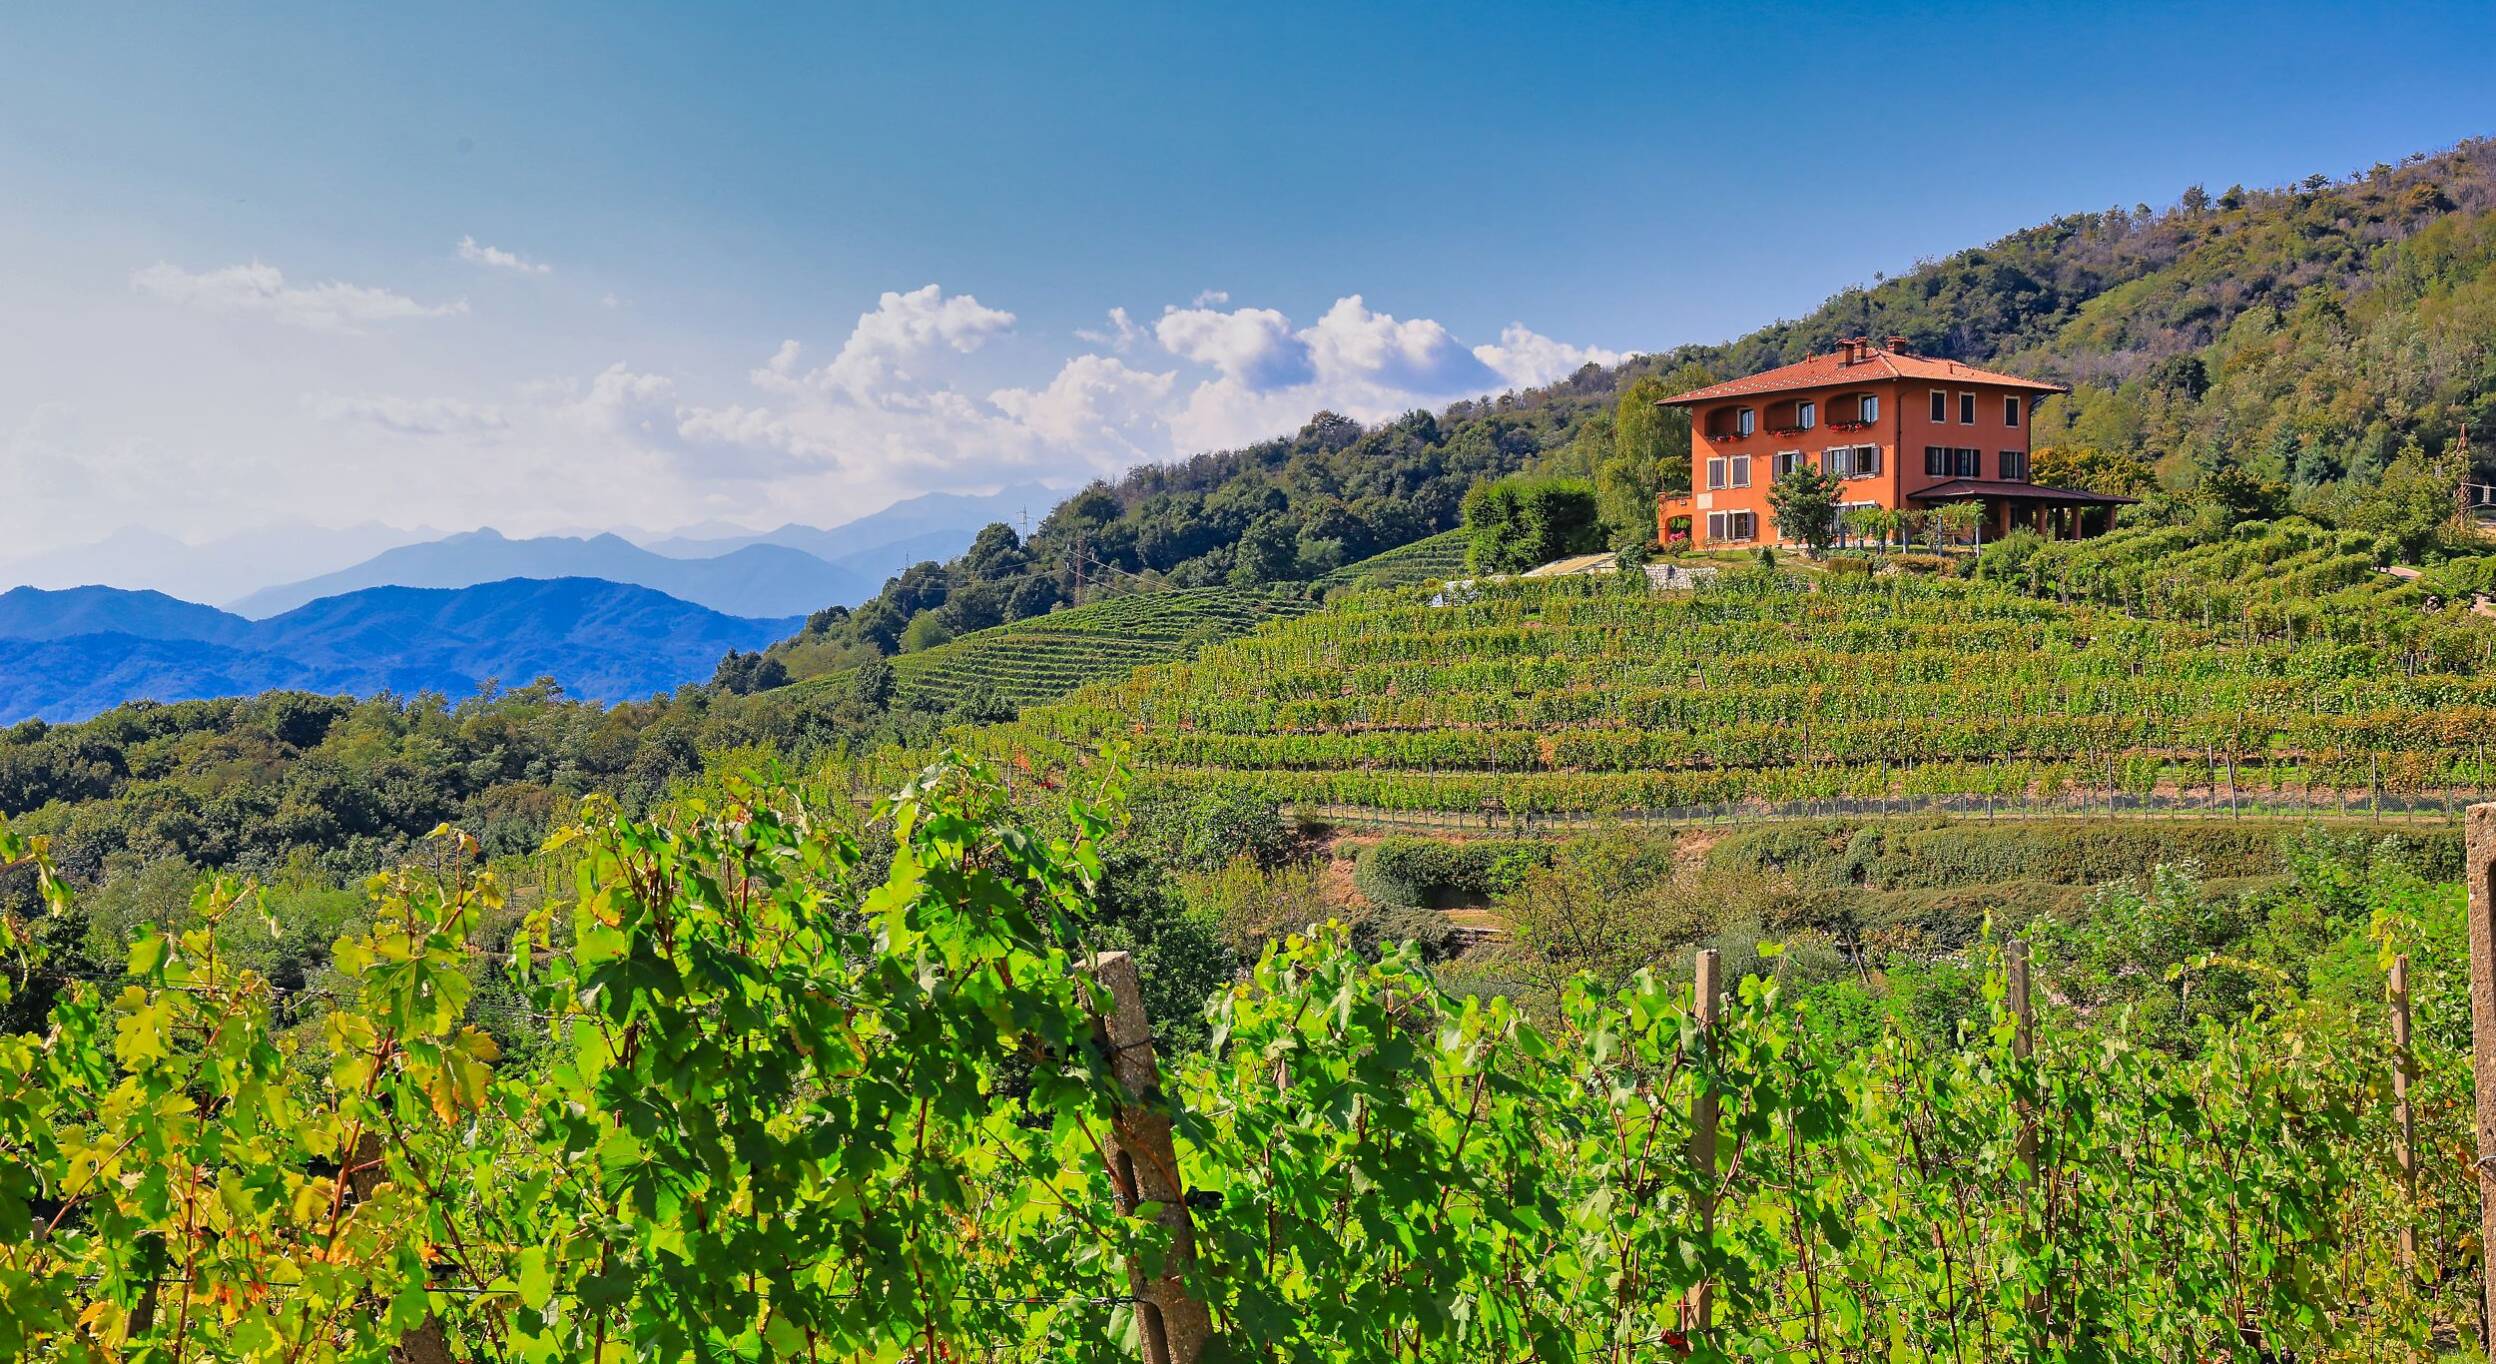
[[425, 1342], [2023, 1045], [1144, 1168], [1708, 985], [2481, 843], [2404, 1121]]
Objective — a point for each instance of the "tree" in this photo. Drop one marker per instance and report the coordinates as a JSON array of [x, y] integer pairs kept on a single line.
[[925, 631], [1648, 444], [1805, 502], [1955, 519], [1874, 524], [1519, 523], [872, 686], [1269, 552]]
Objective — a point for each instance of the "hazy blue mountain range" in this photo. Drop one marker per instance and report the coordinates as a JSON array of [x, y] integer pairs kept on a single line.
[[68, 655], [753, 580], [219, 570], [900, 535], [29, 613]]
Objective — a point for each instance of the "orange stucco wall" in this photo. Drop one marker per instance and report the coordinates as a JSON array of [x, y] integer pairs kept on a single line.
[[1903, 430]]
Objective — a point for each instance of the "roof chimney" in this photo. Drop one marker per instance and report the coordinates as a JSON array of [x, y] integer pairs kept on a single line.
[[1898, 346], [1849, 350]]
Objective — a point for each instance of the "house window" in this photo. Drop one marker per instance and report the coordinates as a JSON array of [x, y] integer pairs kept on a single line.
[[1851, 461], [1741, 472], [1745, 421], [1943, 461], [2010, 410], [1716, 472], [1785, 462], [1806, 415], [1967, 409], [1941, 406], [1871, 407], [2015, 465], [1729, 525]]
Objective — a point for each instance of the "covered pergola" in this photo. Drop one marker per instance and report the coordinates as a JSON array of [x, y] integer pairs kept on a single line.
[[2062, 513]]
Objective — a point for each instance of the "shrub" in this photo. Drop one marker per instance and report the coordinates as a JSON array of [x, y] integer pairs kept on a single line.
[[1519, 523], [1422, 872]]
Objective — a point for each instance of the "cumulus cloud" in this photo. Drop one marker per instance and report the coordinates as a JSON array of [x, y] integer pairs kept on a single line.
[[902, 330], [1097, 404], [1529, 359], [879, 409], [494, 257], [408, 416], [1254, 348], [262, 290], [1417, 356]]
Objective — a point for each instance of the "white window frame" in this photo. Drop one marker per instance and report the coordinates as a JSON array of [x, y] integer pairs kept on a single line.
[[1851, 461], [1745, 421], [1871, 409], [1741, 472], [1715, 472], [1967, 409], [2006, 457], [1806, 416], [1784, 462], [1721, 524], [2010, 409], [1941, 407]]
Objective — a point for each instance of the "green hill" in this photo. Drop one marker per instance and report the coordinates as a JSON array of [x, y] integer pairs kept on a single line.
[[2289, 346], [1048, 656], [1790, 692]]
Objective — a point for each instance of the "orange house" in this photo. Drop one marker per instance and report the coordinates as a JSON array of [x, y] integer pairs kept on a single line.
[[1896, 429]]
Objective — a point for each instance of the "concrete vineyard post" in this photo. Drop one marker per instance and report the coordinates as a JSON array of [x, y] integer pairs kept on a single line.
[[2482, 854], [1144, 1168], [2404, 1121], [1708, 985]]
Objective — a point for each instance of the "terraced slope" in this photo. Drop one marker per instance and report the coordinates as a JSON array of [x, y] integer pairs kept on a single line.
[[1045, 657], [1581, 696], [2288, 577], [1440, 556]]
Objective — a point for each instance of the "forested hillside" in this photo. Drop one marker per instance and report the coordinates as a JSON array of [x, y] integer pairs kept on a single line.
[[2259, 351]]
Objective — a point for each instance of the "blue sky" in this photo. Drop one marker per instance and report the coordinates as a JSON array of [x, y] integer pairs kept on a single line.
[[233, 236]]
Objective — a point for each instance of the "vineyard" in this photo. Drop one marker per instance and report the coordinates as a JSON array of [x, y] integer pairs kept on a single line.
[[1440, 556], [1766, 690], [779, 1106], [2290, 578], [1048, 656]]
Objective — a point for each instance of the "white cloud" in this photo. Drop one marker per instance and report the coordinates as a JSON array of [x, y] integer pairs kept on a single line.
[[494, 257], [901, 330], [1211, 298], [408, 416], [263, 290], [1121, 337], [1254, 348], [1419, 356], [1529, 359], [1099, 405]]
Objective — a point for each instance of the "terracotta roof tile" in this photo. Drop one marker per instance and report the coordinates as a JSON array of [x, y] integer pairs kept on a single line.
[[1877, 366]]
